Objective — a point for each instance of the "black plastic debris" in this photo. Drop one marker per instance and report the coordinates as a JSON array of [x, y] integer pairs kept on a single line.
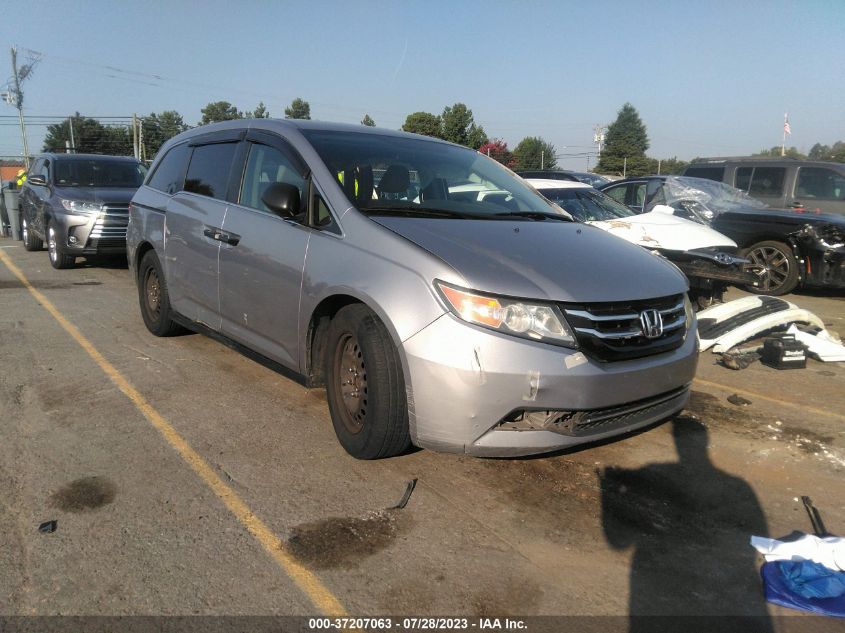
[[738, 400], [409, 488], [48, 527], [815, 518]]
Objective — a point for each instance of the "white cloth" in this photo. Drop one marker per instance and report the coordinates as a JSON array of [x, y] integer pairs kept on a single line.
[[828, 551]]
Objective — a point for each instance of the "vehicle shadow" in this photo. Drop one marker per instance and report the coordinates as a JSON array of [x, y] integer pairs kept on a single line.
[[688, 524], [103, 261]]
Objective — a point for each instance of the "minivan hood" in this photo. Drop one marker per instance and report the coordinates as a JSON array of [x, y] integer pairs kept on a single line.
[[662, 230], [118, 195], [550, 260]]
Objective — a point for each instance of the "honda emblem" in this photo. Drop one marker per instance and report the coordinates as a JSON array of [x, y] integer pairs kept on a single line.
[[652, 323]]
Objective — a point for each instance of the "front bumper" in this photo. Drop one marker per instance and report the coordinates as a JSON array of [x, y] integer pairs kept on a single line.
[[466, 384], [97, 234], [711, 265]]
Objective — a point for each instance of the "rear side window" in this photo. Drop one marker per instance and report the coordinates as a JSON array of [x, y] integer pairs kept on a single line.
[[208, 171], [711, 173], [170, 172], [617, 193], [818, 182], [761, 181]]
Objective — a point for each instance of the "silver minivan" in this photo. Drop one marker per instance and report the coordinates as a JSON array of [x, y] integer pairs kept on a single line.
[[440, 300]]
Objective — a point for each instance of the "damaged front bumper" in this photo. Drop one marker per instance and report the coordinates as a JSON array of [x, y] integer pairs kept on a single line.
[[483, 393], [822, 254], [707, 265]]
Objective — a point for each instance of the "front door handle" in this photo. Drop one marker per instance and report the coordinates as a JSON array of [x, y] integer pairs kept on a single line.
[[221, 236]]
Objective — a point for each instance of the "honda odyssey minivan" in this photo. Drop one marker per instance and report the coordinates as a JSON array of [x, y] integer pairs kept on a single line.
[[353, 258]]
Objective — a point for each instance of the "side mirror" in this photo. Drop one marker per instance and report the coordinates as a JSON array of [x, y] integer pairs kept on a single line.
[[37, 180], [282, 199]]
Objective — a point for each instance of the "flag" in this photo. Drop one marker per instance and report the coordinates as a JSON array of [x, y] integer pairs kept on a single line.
[[786, 128]]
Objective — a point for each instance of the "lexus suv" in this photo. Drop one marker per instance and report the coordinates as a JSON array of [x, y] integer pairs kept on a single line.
[[78, 204], [369, 262]]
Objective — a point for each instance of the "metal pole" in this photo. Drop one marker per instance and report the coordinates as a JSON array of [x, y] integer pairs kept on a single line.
[[542, 159], [72, 142], [19, 106], [658, 166], [624, 166], [142, 151], [135, 150]]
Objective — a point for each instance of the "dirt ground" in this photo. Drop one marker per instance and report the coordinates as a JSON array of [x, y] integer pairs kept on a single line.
[[655, 523]]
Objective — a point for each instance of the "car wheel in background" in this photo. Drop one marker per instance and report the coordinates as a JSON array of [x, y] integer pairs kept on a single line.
[[153, 298], [30, 242], [58, 258], [776, 267], [365, 387]]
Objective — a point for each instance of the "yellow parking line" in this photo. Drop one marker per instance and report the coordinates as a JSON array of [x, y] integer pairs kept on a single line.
[[785, 403], [308, 582]]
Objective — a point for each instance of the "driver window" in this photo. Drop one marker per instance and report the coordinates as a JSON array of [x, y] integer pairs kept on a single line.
[[265, 166]]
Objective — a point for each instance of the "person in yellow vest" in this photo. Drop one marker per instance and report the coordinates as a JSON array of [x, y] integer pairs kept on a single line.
[[21, 177]]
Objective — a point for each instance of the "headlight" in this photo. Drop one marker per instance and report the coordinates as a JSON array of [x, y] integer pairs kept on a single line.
[[82, 208], [535, 321]]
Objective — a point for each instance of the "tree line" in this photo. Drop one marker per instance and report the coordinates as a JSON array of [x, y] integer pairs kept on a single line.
[[624, 150]]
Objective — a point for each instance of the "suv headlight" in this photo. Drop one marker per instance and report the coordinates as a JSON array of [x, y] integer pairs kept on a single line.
[[82, 208], [534, 321]]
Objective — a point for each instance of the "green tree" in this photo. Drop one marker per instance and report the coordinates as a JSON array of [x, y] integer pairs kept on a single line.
[[626, 139], [368, 121], [260, 111], [298, 109], [791, 152], [160, 128], [89, 137], [459, 127], [219, 111], [534, 153], [498, 150], [671, 166], [423, 123]]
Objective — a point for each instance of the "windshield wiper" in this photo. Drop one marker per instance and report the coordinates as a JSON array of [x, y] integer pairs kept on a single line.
[[535, 215]]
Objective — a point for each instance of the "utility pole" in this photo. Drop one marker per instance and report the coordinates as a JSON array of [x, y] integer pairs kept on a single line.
[[624, 167], [598, 136], [542, 159], [142, 151], [72, 142], [21, 74], [135, 150]]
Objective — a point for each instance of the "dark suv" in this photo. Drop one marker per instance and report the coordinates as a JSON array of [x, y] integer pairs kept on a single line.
[[785, 183], [78, 204]]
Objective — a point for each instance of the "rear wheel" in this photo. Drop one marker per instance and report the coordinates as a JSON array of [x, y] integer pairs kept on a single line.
[[58, 258], [365, 387], [776, 267], [30, 241], [153, 298]]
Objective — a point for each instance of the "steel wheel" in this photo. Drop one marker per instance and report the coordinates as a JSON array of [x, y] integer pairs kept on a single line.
[[152, 292], [352, 383]]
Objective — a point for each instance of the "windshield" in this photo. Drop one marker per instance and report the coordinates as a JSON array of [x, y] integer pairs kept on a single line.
[[389, 175], [98, 173], [587, 205], [716, 196]]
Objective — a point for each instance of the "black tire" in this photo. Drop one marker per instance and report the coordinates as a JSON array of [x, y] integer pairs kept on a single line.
[[58, 258], [366, 399], [153, 298], [30, 241], [779, 268]]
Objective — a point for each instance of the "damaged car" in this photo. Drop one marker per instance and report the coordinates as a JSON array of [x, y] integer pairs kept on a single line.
[[787, 249], [708, 258], [370, 262]]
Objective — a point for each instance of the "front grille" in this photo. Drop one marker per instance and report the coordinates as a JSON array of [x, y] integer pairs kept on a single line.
[[612, 331], [110, 226]]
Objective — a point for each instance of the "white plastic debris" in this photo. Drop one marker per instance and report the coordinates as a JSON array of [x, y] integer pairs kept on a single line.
[[820, 345], [828, 551]]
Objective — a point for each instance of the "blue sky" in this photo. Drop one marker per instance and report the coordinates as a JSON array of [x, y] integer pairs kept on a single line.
[[708, 78]]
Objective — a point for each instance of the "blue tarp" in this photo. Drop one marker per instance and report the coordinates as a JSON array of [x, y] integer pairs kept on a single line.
[[805, 585]]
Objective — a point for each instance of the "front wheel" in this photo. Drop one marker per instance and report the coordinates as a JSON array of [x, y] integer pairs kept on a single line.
[[30, 242], [365, 387], [776, 268], [58, 258], [154, 299]]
